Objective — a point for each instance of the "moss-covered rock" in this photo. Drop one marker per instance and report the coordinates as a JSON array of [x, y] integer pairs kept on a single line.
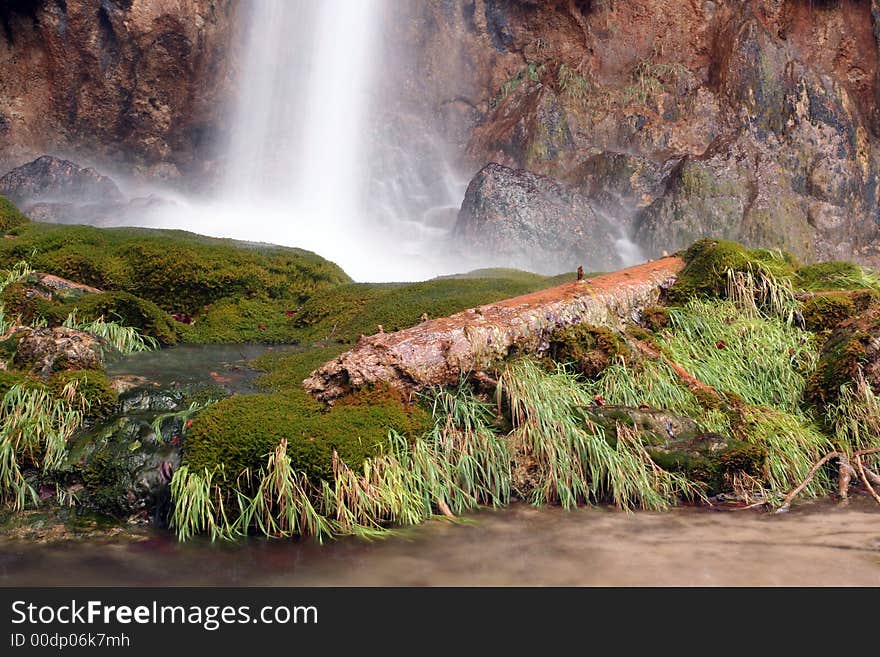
[[678, 444], [854, 345], [590, 349], [239, 432], [708, 262], [826, 311], [94, 387]]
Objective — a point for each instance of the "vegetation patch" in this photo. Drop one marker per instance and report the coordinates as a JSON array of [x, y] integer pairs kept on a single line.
[[849, 348], [238, 433], [11, 218], [589, 349], [92, 386], [180, 272], [710, 263], [835, 275]]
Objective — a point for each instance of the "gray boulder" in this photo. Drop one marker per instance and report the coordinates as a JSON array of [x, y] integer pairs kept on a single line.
[[515, 218]]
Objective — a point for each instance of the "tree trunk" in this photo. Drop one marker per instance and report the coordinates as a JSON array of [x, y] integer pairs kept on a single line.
[[438, 352]]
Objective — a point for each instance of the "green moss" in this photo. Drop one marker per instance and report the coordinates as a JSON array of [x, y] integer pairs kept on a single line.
[[850, 345], [95, 388], [708, 261], [825, 311], [106, 479], [177, 271], [287, 370], [655, 318], [239, 432], [11, 217], [19, 300], [9, 378], [710, 466], [237, 320], [589, 348], [834, 275]]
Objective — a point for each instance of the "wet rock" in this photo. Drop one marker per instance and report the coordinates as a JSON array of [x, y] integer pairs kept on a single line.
[[678, 444], [533, 222], [50, 178], [125, 465], [45, 351]]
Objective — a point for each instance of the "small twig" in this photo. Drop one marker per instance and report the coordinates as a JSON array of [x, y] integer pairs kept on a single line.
[[873, 476], [865, 481], [786, 504], [750, 506]]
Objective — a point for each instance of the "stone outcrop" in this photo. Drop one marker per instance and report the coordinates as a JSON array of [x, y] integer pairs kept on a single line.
[[756, 120], [45, 351], [533, 222]]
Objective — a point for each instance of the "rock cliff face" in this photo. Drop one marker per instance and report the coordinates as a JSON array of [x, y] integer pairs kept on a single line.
[[755, 120], [133, 81]]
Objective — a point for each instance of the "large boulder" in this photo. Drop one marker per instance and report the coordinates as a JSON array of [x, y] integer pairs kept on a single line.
[[52, 179], [515, 218], [45, 351]]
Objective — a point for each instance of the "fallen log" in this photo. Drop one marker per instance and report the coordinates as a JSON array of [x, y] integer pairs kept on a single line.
[[438, 351]]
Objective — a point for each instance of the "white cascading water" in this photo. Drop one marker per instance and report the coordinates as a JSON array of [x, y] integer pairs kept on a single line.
[[304, 167]]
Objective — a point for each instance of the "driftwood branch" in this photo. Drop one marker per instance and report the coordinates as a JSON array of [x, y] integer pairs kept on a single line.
[[846, 471], [439, 351]]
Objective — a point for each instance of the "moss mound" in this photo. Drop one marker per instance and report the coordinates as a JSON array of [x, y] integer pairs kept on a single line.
[[239, 432], [590, 349], [852, 345], [708, 261], [129, 310], [834, 275], [654, 318], [178, 271], [10, 216], [9, 378], [94, 386]]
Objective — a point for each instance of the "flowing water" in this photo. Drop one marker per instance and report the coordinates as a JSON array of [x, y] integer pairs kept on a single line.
[[817, 544], [314, 159]]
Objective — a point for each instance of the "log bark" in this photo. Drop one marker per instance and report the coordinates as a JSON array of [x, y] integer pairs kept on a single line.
[[438, 352]]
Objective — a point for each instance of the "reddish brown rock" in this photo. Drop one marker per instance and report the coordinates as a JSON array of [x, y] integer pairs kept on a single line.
[[140, 79]]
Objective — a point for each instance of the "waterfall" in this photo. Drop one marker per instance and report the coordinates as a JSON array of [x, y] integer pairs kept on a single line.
[[313, 161], [297, 133]]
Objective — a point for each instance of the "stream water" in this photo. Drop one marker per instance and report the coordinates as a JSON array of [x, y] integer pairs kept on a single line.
[[815, 544], [818, 544]]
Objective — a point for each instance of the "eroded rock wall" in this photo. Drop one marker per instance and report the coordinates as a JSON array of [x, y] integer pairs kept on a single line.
[[755, 120], [133, 81]]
